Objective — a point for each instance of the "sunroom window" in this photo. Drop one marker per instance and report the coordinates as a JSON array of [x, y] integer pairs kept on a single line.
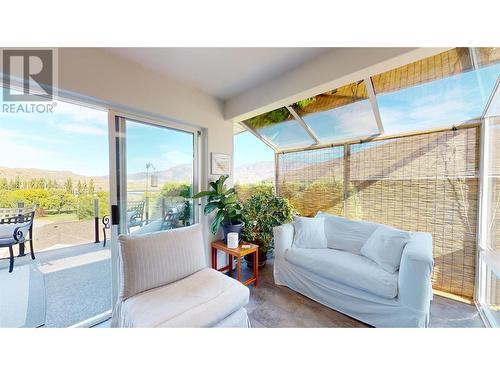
[[443, 90], [339, 114], [280, 128]]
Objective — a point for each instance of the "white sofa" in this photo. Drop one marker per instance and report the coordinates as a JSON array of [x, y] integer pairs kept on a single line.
[[341, 278], [165, 282]]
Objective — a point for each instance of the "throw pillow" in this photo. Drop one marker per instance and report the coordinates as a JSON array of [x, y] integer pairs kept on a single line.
[[309, 233], [385, 247], [346, 234]]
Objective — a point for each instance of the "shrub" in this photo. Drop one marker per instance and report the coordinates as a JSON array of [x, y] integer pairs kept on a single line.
[[245, 191], [261, 213]]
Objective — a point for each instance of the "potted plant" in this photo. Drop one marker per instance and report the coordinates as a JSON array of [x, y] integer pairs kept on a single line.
[[228, 208], [261, 213]]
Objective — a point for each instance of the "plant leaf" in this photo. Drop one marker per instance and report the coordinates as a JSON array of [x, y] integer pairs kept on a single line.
[[210, 207], [216, 222], [202, 194]]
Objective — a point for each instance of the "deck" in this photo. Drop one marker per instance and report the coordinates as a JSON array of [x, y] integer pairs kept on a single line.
[[60, 288]]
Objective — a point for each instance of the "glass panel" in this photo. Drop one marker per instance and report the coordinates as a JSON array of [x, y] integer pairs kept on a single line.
[[340, 114], [492, 297], [159, 178], [54, 165], [280, 128], [490, 215], [492, 190], [253, 171], [313, 180], [440, 91]]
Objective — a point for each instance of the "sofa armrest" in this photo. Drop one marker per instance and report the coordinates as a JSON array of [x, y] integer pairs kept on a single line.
[[415, 287], [283, 239]]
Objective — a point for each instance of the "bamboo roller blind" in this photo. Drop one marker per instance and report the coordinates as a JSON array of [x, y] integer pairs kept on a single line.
[[426, 182]]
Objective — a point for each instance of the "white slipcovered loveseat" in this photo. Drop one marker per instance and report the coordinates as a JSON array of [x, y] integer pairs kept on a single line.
[[342, 278], [165, 282]]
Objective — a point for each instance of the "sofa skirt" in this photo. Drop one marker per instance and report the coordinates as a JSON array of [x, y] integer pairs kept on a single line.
[[366, 307]]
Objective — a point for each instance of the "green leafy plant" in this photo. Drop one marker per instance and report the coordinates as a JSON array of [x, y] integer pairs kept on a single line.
[[278, 115], [187, 207], [261, 213], [224, 200]]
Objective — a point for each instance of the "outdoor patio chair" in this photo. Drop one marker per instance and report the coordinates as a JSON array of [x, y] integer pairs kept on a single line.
[[16, 230], [105, 226], [170, 220], [135, 213]]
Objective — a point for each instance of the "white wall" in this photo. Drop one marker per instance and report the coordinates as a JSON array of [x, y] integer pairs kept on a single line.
[[94, 75]]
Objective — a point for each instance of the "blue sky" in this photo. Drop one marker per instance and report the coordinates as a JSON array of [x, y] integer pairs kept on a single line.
[[164, 148], [72, 138], [75, 137], [249, 149]]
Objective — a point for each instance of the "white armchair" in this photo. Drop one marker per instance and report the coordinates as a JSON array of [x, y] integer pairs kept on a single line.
[[165, 282]]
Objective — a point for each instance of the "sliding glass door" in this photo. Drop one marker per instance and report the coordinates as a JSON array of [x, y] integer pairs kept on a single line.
[[155, 176], [489, 239], [54, 180]]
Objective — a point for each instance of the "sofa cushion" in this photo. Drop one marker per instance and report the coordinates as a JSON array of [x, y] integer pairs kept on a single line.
[[309, 233], [347, 268], [156, 259], [346, 234], [385, 247], [200, 300]]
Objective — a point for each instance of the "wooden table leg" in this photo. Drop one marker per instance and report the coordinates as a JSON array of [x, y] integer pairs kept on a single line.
[[256, 267], [238, 269], [230, 264], [214, 258]]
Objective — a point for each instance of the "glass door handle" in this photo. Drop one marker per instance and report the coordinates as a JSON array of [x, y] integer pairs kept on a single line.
[[115, 215]]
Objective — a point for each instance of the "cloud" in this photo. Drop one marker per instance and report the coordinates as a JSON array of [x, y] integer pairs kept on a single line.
[[439, 103], [83, 129], [22, 155], [176, 157], [82, 114]]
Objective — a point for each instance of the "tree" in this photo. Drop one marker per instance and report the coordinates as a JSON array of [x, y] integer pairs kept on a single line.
[[68, 186], [16, 184], [91, 188], [81, 187]]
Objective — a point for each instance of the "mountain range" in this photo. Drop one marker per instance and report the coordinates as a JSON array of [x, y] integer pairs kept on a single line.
[[179, 173], [262, 171], [100, 182], [246, 173]]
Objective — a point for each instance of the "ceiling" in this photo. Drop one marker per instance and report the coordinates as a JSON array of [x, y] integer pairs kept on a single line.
[[220, 72]]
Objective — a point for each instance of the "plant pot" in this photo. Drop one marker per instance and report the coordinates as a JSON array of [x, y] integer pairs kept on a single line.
[[262, 259], [232, 228]]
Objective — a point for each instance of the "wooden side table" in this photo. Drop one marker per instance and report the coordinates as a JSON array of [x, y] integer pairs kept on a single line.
[[239, 253]]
